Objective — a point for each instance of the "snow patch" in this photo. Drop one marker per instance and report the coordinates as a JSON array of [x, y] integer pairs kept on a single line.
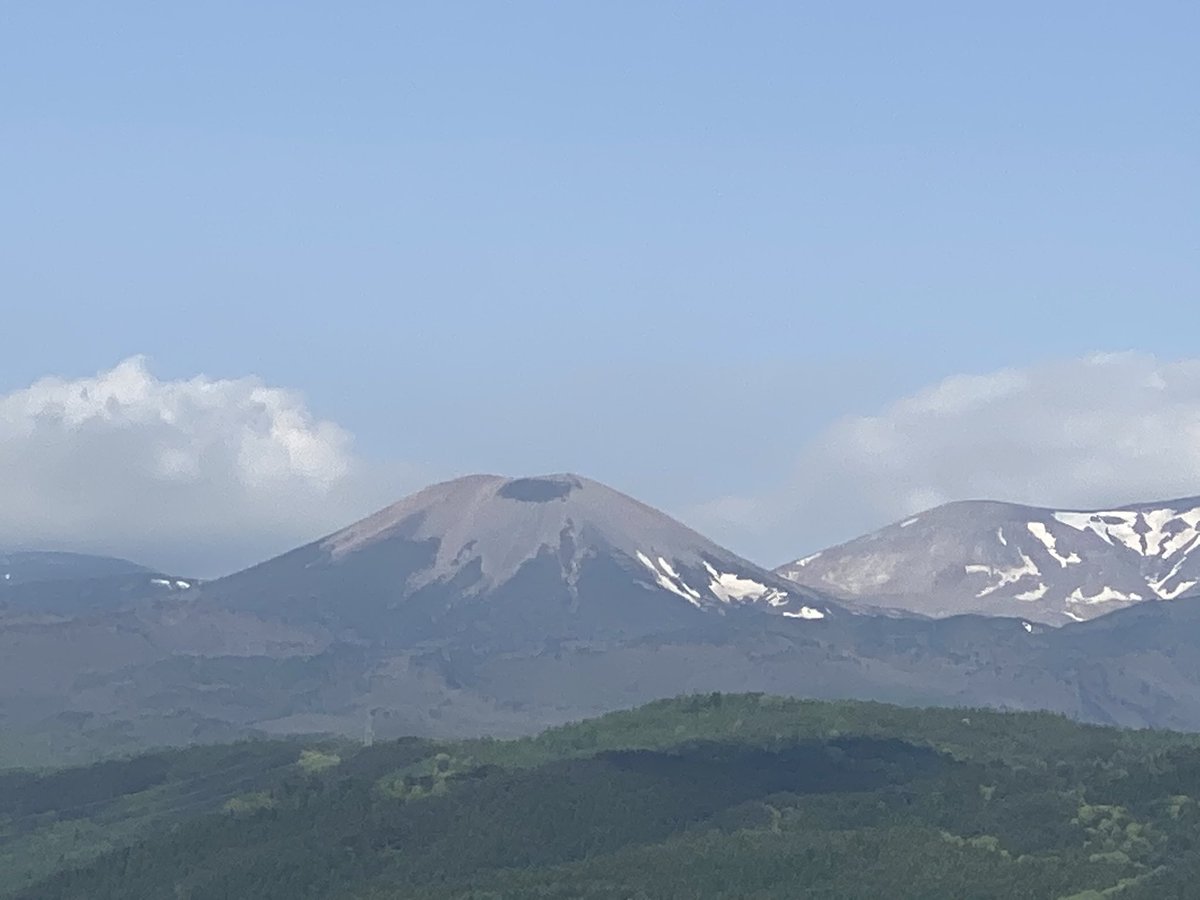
[[183, 585], [163, 581], [1156, 522], [1104, 595], [1183, 586], [731, 588], [1165, 593], [1042, 533], [806, 612], [1036, 594], [1183, 547], [1186, 538], [1160, 586], [1155, 532], [670, 581], [1000, 536], [681, 590], [1003, 576], [808, 559], [912, 521], [1112, 526], [1027, 627], [725, 586]]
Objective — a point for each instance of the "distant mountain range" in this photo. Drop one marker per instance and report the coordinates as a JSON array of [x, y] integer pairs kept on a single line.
[[53, 584], [492, 605], [18, 567], [1002, 559]]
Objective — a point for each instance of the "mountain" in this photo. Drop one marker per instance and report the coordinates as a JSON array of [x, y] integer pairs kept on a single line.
[[1003, 559], [712, 797], [419, 617], [503, 563], [498, 606], [42, 584], [19, 567]]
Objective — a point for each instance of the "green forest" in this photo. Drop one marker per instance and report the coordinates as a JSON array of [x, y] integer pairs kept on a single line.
[[713, 796]]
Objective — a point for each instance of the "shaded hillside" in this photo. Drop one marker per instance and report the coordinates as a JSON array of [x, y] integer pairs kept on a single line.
[[715, 796], [26, 566]]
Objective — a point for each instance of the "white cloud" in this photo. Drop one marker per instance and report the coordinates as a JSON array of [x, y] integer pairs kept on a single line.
[[202, 475], [1102, 430], [194, 473]]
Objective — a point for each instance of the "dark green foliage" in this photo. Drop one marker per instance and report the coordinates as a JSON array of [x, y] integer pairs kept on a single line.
[[716, 796], [60, 819]]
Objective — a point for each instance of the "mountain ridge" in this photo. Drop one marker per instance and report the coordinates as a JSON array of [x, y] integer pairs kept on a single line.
[[989, 557], [19, 566], [499, 606]]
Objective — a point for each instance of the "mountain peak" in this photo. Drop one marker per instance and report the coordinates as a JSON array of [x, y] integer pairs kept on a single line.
[[506, 520], [560, 553], [983, 556]]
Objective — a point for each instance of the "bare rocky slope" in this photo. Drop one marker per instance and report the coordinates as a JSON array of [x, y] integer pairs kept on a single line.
[[1047, 565]]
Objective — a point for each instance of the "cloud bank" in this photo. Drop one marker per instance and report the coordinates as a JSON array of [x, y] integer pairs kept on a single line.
[[193, 473], [203, 475], [1102, 430]]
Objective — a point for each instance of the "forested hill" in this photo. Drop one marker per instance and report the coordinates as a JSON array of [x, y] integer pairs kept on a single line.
[[718, 796]]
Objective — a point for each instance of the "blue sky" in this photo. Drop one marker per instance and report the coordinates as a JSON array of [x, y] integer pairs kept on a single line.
[[666, 245]]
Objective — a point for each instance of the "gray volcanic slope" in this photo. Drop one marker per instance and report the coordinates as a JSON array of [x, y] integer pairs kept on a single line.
[[510, 560], [1052, 566]]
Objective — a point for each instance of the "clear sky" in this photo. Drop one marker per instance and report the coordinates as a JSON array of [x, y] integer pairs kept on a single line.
[[666, 245]]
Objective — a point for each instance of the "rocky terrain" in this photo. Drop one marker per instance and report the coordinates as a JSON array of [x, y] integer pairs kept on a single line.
[[1047, 565]]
